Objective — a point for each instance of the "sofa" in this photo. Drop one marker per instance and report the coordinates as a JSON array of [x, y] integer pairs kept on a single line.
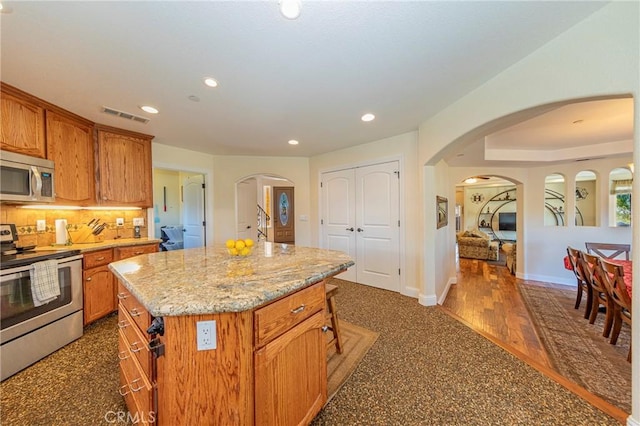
[[476, 244]]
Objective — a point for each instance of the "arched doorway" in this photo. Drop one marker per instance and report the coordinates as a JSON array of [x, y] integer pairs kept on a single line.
[[257, 205]]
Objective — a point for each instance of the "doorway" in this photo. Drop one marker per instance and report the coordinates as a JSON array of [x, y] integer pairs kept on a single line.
[[256, 202], [179, 201], [361, 216]]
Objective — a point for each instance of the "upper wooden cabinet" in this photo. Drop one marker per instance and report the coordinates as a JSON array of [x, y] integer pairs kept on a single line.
[[70, 147], [22, 123], [124, 168]]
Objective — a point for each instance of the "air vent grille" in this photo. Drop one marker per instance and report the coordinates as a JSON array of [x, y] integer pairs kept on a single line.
[[125, 115]]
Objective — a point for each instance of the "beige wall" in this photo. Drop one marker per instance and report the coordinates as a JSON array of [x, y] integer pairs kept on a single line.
[[228, 170]]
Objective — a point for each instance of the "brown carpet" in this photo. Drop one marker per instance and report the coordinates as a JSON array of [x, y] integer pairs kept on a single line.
[[78, 384], [577, 349]]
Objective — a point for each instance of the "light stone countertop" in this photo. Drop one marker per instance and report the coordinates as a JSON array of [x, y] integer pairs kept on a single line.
[[208, 280], [85, 248]]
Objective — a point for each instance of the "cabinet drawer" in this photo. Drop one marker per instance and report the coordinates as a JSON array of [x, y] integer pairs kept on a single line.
[[136, 311], [138, 395], [130, 251], [135, 340], [97, 258], [279, 316]]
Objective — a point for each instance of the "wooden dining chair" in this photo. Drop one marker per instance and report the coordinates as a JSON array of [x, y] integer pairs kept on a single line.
[[608, 250], [614, 280], [600, 296], [584, 286]]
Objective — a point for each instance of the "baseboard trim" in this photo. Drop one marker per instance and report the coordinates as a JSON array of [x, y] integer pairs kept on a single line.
[[428, 300], [443, 296], [632, 422]]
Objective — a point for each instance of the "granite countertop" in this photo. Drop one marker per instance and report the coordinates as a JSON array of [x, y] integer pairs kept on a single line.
[[85, 248], [208, 280]]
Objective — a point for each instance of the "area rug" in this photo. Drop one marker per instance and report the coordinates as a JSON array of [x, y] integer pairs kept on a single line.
[[577, 349], [356, 341]]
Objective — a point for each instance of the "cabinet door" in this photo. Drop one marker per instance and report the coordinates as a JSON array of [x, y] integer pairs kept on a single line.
[[291, 375], [124, 169], [70, 146], [98, 287], [22, 128]]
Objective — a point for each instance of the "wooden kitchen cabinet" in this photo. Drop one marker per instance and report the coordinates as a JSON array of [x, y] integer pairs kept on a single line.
[[124, 167], [269, 367], [70, 147], [98, 285], [22, 127], [130, 251]]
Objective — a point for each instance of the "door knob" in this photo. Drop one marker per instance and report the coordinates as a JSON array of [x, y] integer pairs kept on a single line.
[[360, 230], [248, 226], [350, 229]]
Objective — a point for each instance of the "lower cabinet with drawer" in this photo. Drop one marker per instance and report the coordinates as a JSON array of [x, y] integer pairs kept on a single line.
[[99, 285], [268, 367]]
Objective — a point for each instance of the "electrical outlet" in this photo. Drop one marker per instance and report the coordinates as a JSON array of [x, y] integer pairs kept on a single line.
[[119, 221], [41, 225], [138, 221], [206, 335]]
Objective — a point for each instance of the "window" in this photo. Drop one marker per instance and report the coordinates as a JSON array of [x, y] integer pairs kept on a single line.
[[586, 184], [620, 184], [554, 208]]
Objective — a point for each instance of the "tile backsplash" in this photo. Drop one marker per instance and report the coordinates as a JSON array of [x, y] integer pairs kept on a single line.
[[26, 221]]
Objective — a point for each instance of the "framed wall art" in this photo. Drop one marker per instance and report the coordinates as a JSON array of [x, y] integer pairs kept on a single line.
[[442, 211]]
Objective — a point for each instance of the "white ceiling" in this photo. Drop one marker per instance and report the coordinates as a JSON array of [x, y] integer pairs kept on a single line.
[[310, 79]]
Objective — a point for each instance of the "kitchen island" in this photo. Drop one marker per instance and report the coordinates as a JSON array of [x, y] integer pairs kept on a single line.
[[238, 340]]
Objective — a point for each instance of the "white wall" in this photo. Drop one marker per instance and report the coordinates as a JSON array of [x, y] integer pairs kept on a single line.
[[597, 57], [402, 147], [228, 170]]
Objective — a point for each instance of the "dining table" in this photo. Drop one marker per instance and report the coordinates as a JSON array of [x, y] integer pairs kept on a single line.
[[627, 267]]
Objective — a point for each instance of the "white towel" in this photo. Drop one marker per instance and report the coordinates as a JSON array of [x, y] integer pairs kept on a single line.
[[44, 282]]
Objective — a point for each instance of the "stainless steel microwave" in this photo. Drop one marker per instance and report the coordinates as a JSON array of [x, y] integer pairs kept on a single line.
[[26, 179]]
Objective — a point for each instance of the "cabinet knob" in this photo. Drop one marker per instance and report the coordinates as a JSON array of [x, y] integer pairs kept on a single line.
[[122, 357], [122, 296], [88, 279], [134, 312], [123, 324], [100, 258]]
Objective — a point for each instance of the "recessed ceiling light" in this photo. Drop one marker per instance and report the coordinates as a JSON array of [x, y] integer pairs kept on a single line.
[[149, 109], [290, 9], [368, 117], [293, 142], [211, 82]]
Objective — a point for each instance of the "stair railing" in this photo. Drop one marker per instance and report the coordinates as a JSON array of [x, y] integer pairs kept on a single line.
[[263, 223]]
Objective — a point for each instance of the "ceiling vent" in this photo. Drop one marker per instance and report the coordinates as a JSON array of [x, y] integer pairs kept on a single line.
[[125, 115]]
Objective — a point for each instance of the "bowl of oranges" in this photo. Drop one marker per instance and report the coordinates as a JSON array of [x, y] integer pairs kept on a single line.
[[240, 247]]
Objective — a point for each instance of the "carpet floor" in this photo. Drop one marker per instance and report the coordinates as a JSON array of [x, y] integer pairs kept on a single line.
[[428, 369], [577, 349], [425, 368]]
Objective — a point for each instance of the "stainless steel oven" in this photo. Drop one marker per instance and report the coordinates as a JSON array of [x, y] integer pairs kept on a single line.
[[28, 332]]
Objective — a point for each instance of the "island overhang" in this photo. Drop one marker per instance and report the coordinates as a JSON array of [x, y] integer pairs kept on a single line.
[[208, 280]]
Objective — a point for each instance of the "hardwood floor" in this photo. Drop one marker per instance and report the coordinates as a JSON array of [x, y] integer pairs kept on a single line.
[[487, 299]]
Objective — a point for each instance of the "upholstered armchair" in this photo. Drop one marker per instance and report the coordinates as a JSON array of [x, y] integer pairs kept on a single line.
[[476, 245], [510, 250]]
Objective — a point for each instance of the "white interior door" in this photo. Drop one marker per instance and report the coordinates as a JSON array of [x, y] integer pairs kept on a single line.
[[378, 226], [360, 209], [193, 211], [246, 214], [339, 219]]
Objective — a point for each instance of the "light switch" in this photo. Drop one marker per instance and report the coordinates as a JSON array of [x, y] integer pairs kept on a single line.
[[120, 221]]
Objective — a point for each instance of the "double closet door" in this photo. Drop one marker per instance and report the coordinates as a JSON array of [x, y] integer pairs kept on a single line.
[[360, 216]]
